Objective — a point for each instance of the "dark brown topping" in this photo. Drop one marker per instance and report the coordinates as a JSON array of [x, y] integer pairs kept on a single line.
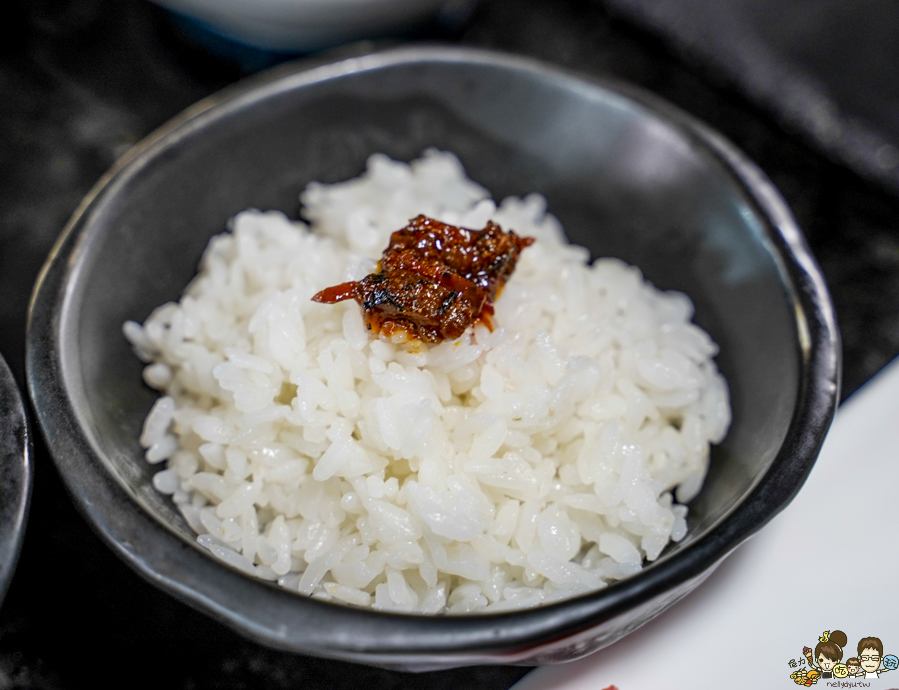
[[434, 280]]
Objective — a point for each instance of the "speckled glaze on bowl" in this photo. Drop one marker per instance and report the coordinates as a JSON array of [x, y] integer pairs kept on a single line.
[[628, 176], [16, 475]]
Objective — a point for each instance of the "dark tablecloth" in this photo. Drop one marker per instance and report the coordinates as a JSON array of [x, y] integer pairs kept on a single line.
[[82, 80], [827, 69]]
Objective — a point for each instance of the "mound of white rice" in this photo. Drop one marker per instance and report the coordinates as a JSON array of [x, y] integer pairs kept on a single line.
[[502, 470]]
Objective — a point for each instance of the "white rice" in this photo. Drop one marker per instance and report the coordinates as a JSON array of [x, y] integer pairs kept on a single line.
[[503, 470]]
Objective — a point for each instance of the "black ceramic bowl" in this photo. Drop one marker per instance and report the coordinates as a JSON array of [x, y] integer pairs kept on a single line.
[[16, 472], [628, 176]]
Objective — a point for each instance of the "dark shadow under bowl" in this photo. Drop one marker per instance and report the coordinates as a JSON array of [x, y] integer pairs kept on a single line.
[[627, 175]]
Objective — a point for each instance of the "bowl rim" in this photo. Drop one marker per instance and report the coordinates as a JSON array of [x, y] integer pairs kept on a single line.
[[16, 474], [282, 619]]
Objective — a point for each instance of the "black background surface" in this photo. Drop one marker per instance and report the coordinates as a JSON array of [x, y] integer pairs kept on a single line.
[[828, 69], [82, 80]]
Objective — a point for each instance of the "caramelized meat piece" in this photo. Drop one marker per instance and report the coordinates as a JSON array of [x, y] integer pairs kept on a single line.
[[434, 280]]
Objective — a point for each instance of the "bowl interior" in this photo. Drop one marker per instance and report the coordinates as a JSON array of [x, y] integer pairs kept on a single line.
[[623, 180]]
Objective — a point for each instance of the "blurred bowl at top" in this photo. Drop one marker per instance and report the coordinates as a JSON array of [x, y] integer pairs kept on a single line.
[[627, 175], [300, 26]]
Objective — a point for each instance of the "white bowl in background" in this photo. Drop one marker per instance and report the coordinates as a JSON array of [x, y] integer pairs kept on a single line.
[[294, 26]]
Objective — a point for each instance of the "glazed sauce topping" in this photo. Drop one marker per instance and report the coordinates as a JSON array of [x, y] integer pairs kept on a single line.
[[434, 280]]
